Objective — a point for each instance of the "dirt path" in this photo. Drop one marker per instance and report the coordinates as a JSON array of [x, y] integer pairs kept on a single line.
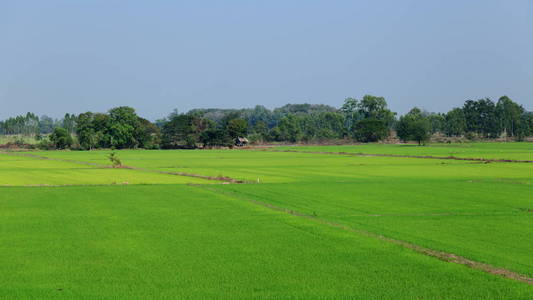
[[484, 160], [444, 256], [224, 179]]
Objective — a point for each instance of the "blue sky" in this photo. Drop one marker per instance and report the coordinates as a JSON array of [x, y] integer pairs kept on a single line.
[[75, 56]]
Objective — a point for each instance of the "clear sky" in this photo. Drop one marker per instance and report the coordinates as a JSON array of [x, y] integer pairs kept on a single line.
[[75, 56]]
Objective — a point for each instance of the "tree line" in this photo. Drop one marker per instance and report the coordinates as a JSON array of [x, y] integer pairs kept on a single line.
[[364, 120], [32, 125]]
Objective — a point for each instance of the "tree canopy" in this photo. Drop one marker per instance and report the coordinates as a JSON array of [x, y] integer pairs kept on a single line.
[[365, 120]]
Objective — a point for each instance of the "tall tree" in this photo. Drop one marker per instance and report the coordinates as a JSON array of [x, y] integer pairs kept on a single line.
[[61, 138], [237, 128], [69, 123], [454, 122], [376, 119], [414, 126], [148, 134], [46, 124], [123, 122], [370, 130], [183, 131], [214, 137], [509, 114], [437, 122], [481, 118], [289, 128], [350, 110]]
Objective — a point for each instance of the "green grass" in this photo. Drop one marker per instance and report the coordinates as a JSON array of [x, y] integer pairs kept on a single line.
[[487, 222], [187, 242], [20, 170], [510, 150], [495, 197], [167, 239], [276, 167]]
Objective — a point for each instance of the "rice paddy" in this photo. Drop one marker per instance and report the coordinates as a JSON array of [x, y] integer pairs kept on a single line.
[[301, 225]]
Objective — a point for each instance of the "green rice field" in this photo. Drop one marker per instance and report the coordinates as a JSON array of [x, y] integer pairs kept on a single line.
[[302, 225], [487, 150]]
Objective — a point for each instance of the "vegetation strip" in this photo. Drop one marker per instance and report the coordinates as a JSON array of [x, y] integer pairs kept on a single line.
[[444, 256], [225, 179], [485, 160]]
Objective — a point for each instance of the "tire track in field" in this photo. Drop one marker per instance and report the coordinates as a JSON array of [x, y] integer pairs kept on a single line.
[[451, 157], [441, 255], [224, 179]]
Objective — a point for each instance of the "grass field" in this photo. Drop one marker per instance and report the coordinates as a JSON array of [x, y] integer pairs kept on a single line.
[[493, 150], [305, 225], [23, 170]]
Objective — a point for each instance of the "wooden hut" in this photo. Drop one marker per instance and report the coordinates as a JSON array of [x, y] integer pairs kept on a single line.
[[241, 141]]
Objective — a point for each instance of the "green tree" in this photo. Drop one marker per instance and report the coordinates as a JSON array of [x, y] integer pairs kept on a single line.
[[214, 137], [261, 128], [321, 126], [69, 123], [525, 126], [148, 134], [437, 121], [183, 131], [454, 122], [376, 119], [237, 128], [121, 128], [87, 135], [481, 118], [274, 134], [259, 114], [46, 124], [370, 130], [509, 114], [61, 138], [350, 110], [414, 126], [289, 129], [376, 108]]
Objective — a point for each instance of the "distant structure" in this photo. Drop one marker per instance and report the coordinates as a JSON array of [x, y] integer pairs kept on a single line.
[[241, 141]]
